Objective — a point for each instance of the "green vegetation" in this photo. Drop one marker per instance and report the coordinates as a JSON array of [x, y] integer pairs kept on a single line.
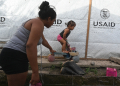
[[61, 64], [91, 70], [53, 67]]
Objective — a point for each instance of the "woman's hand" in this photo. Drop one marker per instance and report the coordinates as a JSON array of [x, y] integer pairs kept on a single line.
[[52, 52], [34, 78]]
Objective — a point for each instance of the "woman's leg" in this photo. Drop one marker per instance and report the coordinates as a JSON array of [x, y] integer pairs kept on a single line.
[[63, 43], [15, 65], [17, 79]]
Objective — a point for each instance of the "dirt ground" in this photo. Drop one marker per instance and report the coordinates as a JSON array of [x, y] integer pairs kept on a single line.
[[98, 69], [89, 72]]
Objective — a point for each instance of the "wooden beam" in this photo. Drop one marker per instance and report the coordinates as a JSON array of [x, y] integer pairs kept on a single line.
[[88, 26], [97, 59]]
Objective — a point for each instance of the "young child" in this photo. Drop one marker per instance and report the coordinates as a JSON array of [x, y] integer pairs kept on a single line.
[[62, 37]]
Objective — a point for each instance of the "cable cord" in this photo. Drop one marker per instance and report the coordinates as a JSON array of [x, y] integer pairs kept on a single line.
[[41, 64]]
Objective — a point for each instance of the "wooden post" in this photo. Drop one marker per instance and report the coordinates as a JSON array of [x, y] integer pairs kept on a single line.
[[88, 27]]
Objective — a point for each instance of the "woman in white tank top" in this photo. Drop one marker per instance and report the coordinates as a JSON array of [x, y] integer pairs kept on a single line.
[[23, 47]]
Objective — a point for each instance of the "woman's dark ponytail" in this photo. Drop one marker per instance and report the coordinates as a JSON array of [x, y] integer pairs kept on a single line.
[[46, 11], [44, 5]]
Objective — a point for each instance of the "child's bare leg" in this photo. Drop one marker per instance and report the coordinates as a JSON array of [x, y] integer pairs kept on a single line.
[[63, 43], [64, 48]]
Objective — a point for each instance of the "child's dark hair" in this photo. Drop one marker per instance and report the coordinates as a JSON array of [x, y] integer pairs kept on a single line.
[[71, 23], [46, 11]]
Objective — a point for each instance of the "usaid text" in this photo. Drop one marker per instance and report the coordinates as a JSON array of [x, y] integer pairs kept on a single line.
[[2, 19], [57, 21], [105, 24]]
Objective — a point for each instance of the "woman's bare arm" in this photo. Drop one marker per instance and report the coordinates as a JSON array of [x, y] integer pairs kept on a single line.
[[31, 47], [46, 44]]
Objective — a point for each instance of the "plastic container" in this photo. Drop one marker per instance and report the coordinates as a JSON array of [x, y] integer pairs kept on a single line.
[[38, 84], [111, 72], [73, 49], [51, 58]]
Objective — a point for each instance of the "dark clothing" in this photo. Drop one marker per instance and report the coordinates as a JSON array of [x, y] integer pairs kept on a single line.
[[13, 61], [13, 58], [61, 34]]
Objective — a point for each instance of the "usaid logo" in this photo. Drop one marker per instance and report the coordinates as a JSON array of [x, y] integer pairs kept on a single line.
[[2, 19], [104, 13], [57, 22]]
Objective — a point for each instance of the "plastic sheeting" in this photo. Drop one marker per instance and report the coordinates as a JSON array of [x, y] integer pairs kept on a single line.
[[104, 24], [104, 35], [17, 11]]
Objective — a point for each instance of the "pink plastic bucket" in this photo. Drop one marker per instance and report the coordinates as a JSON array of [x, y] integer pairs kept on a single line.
[[38, 84], [111, 72]]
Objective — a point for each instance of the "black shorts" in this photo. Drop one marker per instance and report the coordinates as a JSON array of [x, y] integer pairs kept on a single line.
[[13, 61]]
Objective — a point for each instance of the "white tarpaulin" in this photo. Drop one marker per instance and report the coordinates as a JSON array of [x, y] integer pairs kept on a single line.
[[104, 33], [104, 24]]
